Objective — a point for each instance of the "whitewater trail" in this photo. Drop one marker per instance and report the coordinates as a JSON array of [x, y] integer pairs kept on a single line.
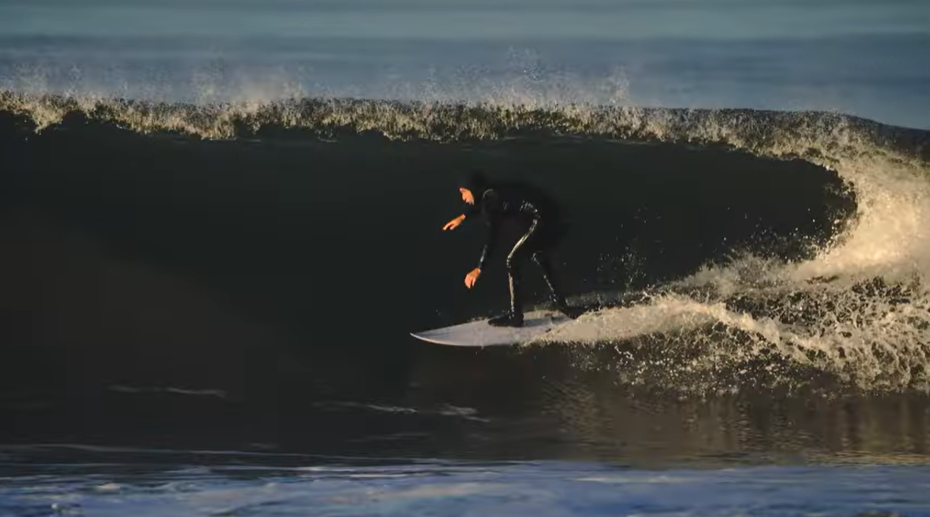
[[858, 310]]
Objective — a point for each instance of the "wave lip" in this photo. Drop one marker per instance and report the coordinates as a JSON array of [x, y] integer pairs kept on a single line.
[[757, 130]]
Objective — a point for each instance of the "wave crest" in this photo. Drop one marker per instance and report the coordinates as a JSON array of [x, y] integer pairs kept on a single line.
[[767, 132]]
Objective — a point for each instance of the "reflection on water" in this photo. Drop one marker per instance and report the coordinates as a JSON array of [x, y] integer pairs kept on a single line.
[[76, 481], [536, 404]]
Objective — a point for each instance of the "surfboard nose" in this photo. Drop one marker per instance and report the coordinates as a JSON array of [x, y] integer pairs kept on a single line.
[[481, 334]]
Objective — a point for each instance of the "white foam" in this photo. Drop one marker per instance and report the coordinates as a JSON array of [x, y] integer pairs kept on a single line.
[[875, 340]]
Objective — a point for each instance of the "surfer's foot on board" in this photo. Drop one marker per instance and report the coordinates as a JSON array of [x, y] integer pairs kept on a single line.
[[571, 312], [508, 319], [562, 306]]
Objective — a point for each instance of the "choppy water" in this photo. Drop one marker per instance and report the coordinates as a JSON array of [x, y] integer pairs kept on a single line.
[[151, 483]]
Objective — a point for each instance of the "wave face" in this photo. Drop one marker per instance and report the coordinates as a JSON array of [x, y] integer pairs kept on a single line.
[[826, 286]]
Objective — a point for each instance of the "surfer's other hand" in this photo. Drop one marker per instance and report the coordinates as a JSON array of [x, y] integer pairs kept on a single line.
[[453, 224], [472, 277]]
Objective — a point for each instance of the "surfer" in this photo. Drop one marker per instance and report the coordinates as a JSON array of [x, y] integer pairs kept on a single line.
[[538, 215]]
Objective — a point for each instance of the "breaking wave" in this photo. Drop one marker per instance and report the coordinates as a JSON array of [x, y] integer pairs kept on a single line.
[[857, 312]]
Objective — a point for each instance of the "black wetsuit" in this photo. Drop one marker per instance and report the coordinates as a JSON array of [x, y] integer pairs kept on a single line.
[[539, 215]]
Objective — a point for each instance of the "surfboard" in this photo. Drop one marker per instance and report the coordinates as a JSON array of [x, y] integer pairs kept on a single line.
[[480, 334]]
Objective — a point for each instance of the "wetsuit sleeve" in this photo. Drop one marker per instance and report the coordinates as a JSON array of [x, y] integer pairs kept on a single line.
[[472, 211], [492, 209]]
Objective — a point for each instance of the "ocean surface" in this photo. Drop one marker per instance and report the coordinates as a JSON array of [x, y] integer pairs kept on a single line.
[[220, 221]]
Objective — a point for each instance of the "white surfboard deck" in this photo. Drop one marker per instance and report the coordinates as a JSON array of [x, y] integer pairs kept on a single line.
[[480, 334]]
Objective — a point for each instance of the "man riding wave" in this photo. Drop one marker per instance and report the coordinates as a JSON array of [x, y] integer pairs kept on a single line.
[[538, 215]]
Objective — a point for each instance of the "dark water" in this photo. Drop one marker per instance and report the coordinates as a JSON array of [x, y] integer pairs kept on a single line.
[[164, 292]]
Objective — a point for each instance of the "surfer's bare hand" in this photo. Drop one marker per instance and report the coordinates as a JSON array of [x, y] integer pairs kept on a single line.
[[453, 224], [472, 277]]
